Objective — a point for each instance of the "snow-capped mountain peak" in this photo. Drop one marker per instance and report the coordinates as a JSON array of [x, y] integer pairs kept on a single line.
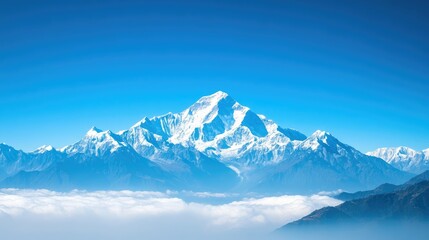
[[93, 131], [44, 148], [394, 154], [207, 106], [97, 142], [208, 117], [317, 139], [404, 158], [218, 126], [214, 98], [221, 127], [321, 134]]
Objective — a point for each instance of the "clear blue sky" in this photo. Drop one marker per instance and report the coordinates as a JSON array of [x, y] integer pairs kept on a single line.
[[358, 69]]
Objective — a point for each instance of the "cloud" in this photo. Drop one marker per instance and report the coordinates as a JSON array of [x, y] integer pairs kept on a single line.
[[208, 194], [271, 211], [330, 193], [153, 211], [15, 202]]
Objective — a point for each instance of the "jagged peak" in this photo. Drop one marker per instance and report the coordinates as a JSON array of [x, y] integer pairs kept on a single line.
[[393, 150], [405, 150], [208, 107], [44, 148], [320, 134], [401, 153], [146, 120], [96, 133], [96, 142], [218, 95], [317, 138], [93, 131], [214, 99]]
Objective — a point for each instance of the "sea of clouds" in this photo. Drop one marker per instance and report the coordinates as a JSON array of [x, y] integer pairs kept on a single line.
[[43, 214]]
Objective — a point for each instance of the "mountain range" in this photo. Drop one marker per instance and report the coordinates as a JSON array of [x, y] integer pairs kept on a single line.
[[383, 188], [404, 158], [215, 144], [409, 202]]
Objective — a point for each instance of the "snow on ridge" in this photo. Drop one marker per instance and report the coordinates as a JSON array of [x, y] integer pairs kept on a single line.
[[404, 158], [314, 140], [215, 122], [216, 125], [93, 131], [217, 133], [394, 154], [44, 148], [96, 142]]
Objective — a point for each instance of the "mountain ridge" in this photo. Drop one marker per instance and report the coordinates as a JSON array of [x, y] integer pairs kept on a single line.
[[383, 188], [409, 201], [404, 158], [218, 140]]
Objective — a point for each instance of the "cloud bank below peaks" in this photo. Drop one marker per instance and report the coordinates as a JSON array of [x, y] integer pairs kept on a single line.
[[145, 214]]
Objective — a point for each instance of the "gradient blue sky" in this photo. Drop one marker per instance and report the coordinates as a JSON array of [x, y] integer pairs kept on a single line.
[[358, 69]]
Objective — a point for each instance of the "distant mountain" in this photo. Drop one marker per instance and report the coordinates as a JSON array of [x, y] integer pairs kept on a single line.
[[410, 203], [384, 188], [13, 161], [102, 160], [322, 162], [404, 158], [216, 143], [99, 161]]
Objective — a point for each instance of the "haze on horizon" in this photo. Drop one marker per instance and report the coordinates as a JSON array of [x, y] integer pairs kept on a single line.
[[358, 70]]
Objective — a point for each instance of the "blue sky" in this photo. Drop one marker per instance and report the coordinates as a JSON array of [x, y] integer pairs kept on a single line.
[[358, 70]]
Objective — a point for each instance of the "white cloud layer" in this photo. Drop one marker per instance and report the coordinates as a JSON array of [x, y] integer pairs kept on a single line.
[[147, 214]]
